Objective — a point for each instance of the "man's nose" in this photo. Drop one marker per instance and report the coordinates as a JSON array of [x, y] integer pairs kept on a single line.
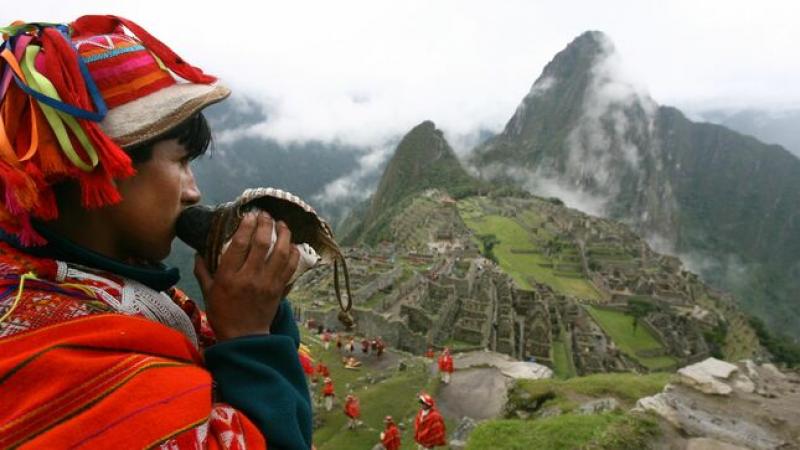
[[190, 195]]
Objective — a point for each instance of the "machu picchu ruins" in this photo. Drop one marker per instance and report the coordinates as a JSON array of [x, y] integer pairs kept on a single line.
[[532, 279]]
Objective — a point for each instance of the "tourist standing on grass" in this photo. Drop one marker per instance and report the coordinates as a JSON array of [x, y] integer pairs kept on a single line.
[[429, 429], [328, 394], [326, 339], [390, 437], [446, 365], [322, 370], [352, 409]]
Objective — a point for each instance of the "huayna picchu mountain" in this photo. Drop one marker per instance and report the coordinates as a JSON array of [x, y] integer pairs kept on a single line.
[[728, 204], [423, 160]]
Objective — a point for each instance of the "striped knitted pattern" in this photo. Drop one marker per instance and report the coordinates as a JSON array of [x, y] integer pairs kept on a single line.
[[122, 68]]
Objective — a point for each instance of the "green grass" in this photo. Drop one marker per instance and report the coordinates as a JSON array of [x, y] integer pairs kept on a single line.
[[521, 266], [566, 432], [620, 327], [625, 387], [562, 362]]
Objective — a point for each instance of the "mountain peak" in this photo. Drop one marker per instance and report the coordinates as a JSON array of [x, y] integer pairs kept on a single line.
[[423, 160], [579, 55]]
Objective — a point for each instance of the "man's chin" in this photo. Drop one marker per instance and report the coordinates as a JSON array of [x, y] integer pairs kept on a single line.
[[155, 255]]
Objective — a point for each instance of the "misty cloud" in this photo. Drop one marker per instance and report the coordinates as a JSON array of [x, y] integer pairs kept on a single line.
[[359, 184], [601, 142]]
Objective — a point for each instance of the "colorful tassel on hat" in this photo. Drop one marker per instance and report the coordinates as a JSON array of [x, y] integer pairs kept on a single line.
[[54, 96]]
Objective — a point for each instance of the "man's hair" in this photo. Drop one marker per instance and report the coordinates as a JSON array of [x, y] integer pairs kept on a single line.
[[194, 134]]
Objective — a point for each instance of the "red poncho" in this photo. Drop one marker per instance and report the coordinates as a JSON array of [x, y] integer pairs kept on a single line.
[[110, 381], [446, 363], [429, 430], [352, 408], [73, 373], [322, 370], [391, 437], [327, 389]]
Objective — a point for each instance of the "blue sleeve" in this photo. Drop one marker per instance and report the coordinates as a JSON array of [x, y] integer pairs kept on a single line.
[[262, 377]]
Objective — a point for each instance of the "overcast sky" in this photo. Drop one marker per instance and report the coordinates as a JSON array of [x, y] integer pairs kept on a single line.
[[362, 71]]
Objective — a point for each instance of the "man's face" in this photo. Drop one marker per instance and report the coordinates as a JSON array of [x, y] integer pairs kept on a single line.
[[152, 200]]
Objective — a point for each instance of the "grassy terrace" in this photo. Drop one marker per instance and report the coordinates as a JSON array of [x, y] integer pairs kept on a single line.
[[562, 359], [631, 341], [567, 394], [522, 267], [613, 430]]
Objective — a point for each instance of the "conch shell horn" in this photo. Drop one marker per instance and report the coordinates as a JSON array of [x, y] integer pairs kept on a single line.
[[209, 229]]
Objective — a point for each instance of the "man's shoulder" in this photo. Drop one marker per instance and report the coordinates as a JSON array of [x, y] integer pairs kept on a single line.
[[14, 261]]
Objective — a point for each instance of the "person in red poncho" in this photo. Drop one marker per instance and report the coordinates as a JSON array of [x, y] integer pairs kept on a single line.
[[378, 346], [322, 370], [446, 365], [99, 124], [429, 353], [352, 409], [390, 436], [429, 429], [365, 346], [328, 394]]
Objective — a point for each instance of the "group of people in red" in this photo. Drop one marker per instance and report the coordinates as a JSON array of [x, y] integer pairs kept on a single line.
[[429, 426], [376, 346]]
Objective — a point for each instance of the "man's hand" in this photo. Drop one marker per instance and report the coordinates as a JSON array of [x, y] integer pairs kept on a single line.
[[243, 296]]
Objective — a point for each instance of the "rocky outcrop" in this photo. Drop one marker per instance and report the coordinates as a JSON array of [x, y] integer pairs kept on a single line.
[[511, 368], [458, 440], [720, 405]]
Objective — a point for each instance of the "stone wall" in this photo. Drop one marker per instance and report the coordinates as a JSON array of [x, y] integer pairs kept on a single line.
[[418, 320], [394, 332]]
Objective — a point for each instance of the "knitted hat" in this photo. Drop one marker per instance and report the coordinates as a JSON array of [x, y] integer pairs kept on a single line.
[[71, 98]]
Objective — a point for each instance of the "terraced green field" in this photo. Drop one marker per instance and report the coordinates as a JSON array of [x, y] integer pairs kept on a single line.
[[631, 341], [523, 267], [562, 362]]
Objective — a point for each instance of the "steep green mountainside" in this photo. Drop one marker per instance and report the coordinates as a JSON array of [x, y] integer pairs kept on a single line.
[[423, 160], [725, 202]]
